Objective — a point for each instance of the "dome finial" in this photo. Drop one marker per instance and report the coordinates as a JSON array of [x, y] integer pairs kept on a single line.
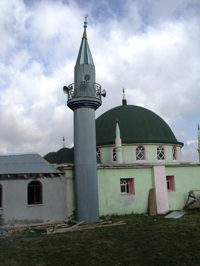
[[64, 145], [85, 22], [85, 27], [124, 102]]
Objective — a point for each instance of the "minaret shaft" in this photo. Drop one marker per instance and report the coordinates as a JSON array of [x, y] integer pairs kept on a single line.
[[87, 205]]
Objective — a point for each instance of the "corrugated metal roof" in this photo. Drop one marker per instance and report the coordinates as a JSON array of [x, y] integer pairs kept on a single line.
[[28, 163]]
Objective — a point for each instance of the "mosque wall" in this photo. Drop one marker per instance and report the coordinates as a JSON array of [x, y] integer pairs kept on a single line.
[[70, 192], [129, 154], [185, 178], [161, 189], [112, 201], [142, 179], [16, 211]]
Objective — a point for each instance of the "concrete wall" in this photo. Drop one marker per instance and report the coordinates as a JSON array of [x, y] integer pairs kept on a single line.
[[70, 192], [58, 193], [185, 178], [16, 211], [161, 189], [111, 201]]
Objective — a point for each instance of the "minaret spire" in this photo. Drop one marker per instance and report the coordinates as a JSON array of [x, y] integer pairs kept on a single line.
[[84, 55], [85, 27], [118, 143], [124, 101], [64, 145]]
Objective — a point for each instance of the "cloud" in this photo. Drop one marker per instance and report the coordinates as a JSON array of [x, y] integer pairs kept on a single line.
[[189, 151], [150, 49]]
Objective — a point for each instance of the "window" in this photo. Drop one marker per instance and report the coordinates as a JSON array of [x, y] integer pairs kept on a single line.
[[98, 153], [34, 193], [114, 155], [140, 153], [1, 195], [174, 153], [160, 153], [127, 186], [170, 183]]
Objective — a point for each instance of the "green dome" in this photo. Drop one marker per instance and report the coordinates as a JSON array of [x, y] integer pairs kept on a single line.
[[137, 125], [62, 156]]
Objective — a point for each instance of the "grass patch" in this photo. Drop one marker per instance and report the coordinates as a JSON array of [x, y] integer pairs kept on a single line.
[[143, 240]]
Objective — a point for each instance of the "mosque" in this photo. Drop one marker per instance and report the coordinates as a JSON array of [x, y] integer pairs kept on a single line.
[[119, 161], [136, 152]]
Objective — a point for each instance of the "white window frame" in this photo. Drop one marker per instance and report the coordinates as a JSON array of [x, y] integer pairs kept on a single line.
[[128, 185]]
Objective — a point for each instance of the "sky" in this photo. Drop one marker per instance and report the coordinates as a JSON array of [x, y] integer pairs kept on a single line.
[[149, 47]]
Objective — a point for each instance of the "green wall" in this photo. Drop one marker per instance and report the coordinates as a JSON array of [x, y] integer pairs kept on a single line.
[[110, 199], [151, 154], [186, 178]]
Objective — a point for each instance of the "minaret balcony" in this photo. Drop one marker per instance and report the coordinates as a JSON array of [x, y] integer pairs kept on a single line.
[[84, 90], [84, 94]]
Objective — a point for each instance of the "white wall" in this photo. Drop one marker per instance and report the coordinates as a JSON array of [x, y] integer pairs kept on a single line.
[[15, 209]]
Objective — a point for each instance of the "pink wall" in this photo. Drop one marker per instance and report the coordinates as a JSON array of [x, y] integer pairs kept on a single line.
[[161, 189]]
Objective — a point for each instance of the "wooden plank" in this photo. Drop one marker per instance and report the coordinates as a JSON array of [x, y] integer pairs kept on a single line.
[[84, 227], [152, 202]]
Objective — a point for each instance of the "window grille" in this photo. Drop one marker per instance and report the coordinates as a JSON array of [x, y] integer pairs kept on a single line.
[[140, 153], [114, 155], [174, 153], [160, 153], [98, 153]]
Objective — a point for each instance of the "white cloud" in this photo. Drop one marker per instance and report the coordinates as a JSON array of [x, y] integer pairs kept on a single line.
[[151, 49]]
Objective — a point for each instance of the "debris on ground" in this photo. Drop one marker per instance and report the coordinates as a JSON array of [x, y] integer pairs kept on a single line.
[[3, 232], [82, 226], [61, 227], [49, 229], [175, 215]]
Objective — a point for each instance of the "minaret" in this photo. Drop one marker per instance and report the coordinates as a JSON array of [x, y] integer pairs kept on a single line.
[[199, 142], [64, 145], [118, 143], [84, 97], [124, 101]]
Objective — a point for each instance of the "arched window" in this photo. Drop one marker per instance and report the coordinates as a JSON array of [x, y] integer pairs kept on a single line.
[[140, 153], [114, 155], [1, 195], [174, 153], [34, 193], [160, 153], [98, 153]]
